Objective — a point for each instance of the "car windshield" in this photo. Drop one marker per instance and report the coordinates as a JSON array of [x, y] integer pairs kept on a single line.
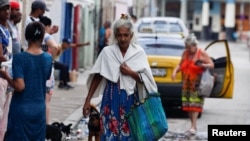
[[160, 27], [162, 47], [174, 27], [145, 28]]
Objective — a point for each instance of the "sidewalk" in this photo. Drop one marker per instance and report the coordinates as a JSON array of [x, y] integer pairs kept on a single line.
[[66, 105]]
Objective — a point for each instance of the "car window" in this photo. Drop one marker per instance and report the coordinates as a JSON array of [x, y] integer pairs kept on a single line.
[[175, 27], [145, 28], [163, 25], [162, 48], [160, 26]]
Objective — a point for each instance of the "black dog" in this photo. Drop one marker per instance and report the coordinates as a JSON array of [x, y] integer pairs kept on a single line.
[[55, 131]]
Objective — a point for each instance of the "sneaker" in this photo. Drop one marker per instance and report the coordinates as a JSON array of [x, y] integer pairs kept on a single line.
[[61, 86]]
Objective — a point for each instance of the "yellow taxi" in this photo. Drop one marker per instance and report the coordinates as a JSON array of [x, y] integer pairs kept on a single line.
[[164, 54]]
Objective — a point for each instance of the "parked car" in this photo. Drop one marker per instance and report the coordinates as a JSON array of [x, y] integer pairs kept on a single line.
[[164, 54], [167, 25]]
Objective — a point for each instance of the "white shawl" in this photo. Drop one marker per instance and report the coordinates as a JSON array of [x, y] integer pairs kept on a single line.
[[108, 65]]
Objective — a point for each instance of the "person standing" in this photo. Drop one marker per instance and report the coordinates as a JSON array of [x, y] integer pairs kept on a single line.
[[191, 72], [101, 39], [15, 18], [134, 18], [5, 49], [31, 70], [107, 26], [38, 8], [118, 70], [104, 34], [50, 46]]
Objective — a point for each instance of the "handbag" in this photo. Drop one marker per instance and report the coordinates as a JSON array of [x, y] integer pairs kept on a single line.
[[206, 84], [147, 119]]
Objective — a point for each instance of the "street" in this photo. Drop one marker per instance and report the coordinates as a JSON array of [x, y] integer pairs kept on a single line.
[[216, 111]]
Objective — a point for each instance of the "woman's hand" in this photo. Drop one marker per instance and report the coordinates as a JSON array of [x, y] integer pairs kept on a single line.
[[3, 73], [86, 109], [54, 29], [173, 75], [125, 69], [2, 58], [176, 70]]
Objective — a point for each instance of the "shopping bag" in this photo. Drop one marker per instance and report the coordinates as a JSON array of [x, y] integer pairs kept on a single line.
[[206, 84], [147, 120]]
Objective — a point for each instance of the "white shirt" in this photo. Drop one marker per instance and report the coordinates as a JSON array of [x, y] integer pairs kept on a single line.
[[29, 19]]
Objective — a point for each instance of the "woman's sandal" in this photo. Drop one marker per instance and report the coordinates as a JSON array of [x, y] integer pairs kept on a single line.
[[191, 131]]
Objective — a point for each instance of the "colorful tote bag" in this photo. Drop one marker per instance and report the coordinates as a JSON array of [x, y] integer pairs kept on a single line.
[[147, 119]]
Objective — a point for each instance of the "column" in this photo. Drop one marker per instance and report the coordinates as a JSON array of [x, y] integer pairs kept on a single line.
[[153, 8], [242, 17], [205, 35], [183, 12], [230, 19], [215, 23], [163, 8]]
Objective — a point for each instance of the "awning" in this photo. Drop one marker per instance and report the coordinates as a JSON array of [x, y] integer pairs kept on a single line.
[[83, 3]]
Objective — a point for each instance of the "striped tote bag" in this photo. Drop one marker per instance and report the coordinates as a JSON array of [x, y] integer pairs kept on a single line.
[[147, 120]]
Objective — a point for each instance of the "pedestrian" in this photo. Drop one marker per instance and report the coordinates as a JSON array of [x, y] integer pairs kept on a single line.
[[118, 70], [5, 49], [64, 76], [193, 62], [101, 39], [38, 8], [31, 69], [107, 26], [134, 18], [15, 18], [50, 46], [104, 34]]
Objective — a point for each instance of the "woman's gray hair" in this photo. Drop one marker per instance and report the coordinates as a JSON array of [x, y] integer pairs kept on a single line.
[[124, 21], [191, 39]]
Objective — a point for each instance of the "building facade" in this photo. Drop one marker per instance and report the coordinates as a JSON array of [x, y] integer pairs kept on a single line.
[[77, 20], [210, 19], [81, 20]]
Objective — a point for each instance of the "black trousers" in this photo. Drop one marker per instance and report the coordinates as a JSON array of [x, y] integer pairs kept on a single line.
[[64, 71]]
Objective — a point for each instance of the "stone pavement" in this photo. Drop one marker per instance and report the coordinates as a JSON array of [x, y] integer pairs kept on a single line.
[[66, 105]]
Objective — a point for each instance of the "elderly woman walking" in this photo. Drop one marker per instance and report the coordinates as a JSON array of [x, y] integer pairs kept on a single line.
[[115, 74], [193, 62]]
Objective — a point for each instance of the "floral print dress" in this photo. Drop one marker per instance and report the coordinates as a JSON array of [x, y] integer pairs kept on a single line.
[[115, 104], [191, 101]]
